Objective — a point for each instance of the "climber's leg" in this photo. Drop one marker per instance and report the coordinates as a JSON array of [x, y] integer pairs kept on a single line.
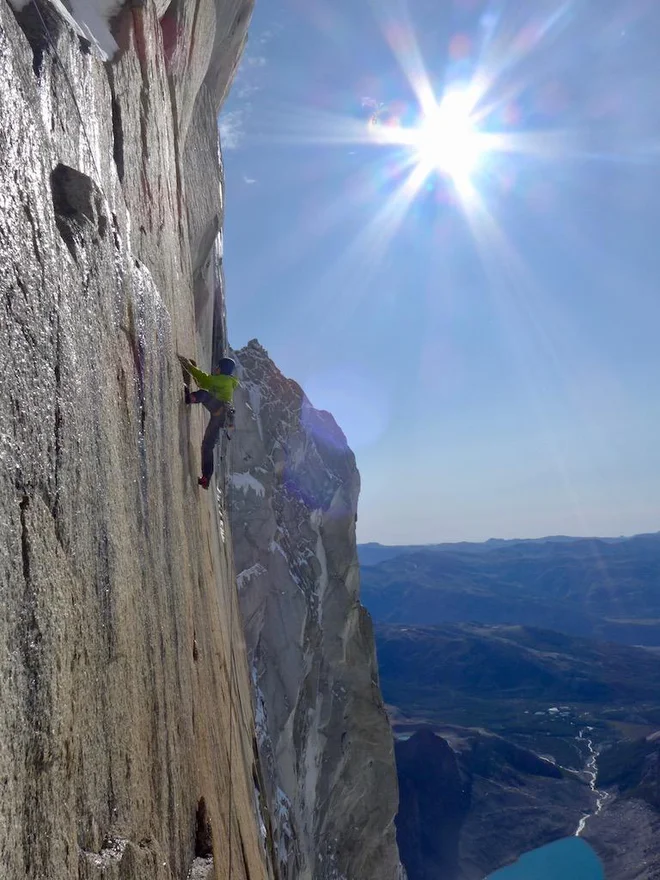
[[211, 435]]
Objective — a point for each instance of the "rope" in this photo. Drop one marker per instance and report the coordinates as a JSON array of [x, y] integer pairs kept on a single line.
[[228, 504], [233, 683], [232, 587], [231, 730], [73, 94]]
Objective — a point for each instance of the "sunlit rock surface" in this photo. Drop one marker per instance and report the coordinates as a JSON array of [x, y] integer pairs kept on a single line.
[[119, 629], [322, 728]]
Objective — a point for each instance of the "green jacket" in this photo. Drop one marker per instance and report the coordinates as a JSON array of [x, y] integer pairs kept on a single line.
[[219, 386]]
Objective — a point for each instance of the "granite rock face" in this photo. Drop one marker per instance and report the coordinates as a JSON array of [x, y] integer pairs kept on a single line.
[[322, 727], [125, 691], [434, 801]]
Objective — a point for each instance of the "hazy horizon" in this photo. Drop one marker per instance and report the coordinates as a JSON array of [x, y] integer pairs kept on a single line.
[[516, 538]]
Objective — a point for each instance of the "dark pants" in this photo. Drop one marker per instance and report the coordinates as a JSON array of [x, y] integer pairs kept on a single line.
[[219, 412]]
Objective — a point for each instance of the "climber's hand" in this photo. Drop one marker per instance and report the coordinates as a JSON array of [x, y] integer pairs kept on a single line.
[[186, 362]]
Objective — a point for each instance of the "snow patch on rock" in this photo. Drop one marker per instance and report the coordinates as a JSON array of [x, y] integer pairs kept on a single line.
[[94, 18], [245, 482], [274, 547], [248, 573]]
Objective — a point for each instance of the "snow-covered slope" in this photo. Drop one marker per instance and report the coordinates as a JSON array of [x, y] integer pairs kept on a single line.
[[322, 728]]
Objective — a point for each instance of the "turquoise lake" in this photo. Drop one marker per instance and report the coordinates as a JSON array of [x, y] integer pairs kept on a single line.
[[568, 859]]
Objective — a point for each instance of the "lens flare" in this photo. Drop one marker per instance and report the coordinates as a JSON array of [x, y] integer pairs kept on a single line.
[[448, 140]]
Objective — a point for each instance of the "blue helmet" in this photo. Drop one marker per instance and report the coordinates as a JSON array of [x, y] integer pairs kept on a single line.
[[226, 366]]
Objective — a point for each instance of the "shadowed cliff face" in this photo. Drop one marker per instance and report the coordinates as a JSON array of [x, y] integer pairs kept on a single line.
[[118, 624], [323, 732], [434, 801]]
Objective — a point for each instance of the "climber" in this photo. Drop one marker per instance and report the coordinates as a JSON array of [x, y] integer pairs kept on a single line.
[[216, 394]]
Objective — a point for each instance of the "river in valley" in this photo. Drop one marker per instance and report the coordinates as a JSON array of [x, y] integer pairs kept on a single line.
[[591, 771], [570, 858]]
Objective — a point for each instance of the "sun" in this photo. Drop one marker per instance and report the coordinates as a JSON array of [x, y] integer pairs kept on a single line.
[[447, 138]]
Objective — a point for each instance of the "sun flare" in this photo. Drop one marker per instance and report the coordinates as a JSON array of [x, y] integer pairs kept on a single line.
[[448, 140]]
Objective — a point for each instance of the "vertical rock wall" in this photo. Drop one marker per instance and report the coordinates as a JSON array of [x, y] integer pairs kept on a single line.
[[323, 731], [125, 722]]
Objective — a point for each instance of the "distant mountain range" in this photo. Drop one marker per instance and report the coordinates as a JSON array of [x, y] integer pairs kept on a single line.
[[373, 552], [525, 658], [602, 588]]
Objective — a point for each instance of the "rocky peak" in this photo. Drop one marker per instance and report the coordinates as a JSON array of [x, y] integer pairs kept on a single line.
[[323, 731], [434, 801]]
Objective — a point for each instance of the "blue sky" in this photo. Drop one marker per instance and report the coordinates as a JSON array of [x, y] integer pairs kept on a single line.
[[489, 347]]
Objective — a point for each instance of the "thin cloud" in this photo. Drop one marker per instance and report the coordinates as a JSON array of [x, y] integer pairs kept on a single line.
[[232, 128], [269, 33], [245, 90], [249, 80]]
